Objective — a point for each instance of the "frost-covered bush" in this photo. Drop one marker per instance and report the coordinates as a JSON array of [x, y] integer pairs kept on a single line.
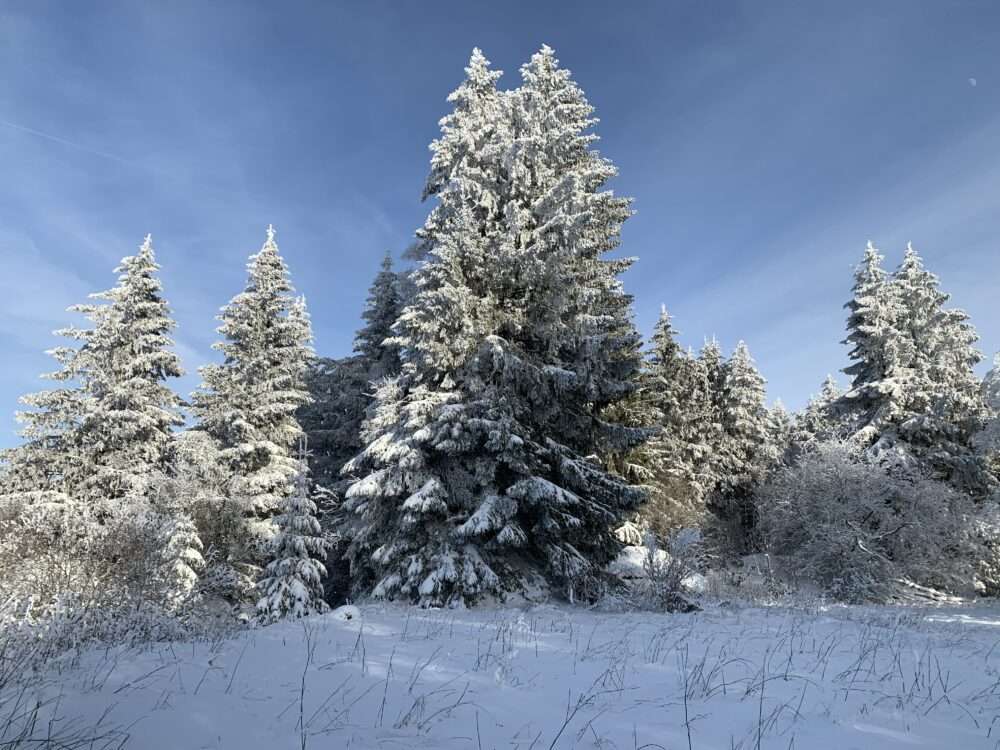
[[153, 556], [49, 551], [987, 528], [228, 548], [73, 622], [843, 523], [200, 480], [66, 563], [988, 440], [658, 578]]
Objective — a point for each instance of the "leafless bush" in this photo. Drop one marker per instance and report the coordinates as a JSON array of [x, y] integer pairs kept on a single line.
[[856, 531], [662, 585], [71, 575], [987, 530]]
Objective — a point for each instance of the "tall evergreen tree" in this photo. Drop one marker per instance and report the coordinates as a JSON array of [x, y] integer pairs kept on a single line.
[[711, 372], [126, 434], [342, 396], [714, 366], [746, 449], [412, 554], [677, 458], [102, 444], [106, 433], [870, 322], [705, 427], [373, 342], [989, 440], [820, 420], [747, 452], [48, 465], [934, 404], [556, 172], [469, 152], [915, 399], [342, 390], [485, 442], [782, 428], [248, 402]]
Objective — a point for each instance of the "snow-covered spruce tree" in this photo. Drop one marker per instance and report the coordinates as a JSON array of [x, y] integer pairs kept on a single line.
[[676, 460], [103, 445], [934, 404], [577, 326], [292, 584], [183, 560], [179, 562], [47, 465], [782, 426], [248, 402], [988, 440], [106, 433], [474, 137], [915, 400], [991, 386], [819, 421], [645, 464], [399, 527], [480, 468], [125, 436], [705, 427], [871, 319], [746, 453], [342, 390], [374, 341], [572, 221], [712, 367]]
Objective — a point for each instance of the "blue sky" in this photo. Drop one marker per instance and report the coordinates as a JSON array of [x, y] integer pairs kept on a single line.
[[764, 144]]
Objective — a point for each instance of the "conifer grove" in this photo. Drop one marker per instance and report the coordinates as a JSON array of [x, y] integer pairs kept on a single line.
[[501, 430]]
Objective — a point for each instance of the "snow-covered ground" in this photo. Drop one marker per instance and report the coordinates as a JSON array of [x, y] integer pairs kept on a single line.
[[559, 677]]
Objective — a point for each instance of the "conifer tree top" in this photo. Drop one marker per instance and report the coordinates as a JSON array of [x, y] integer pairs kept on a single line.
[[991, 385], [664, 344], [477, 74], [711, 347], [830, 386]]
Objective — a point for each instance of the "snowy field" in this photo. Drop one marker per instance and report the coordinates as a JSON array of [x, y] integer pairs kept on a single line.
[[555, 677]]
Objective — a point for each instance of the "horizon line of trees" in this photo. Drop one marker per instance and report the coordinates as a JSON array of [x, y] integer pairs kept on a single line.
[[501, 426]]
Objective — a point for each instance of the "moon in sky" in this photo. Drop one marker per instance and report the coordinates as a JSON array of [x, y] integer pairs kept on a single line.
[[973, 82]]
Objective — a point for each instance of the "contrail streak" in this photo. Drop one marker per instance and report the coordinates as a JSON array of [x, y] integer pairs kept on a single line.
[[63, 141]]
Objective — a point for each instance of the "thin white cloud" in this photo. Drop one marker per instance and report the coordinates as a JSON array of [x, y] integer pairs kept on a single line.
[[64, 142]]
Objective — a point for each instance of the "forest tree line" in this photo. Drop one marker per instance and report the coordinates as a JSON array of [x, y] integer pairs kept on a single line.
[[501, 428]]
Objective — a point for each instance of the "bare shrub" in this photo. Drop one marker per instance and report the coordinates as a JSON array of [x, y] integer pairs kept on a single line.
[[72, 574], [857, 531], [661, 583]]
